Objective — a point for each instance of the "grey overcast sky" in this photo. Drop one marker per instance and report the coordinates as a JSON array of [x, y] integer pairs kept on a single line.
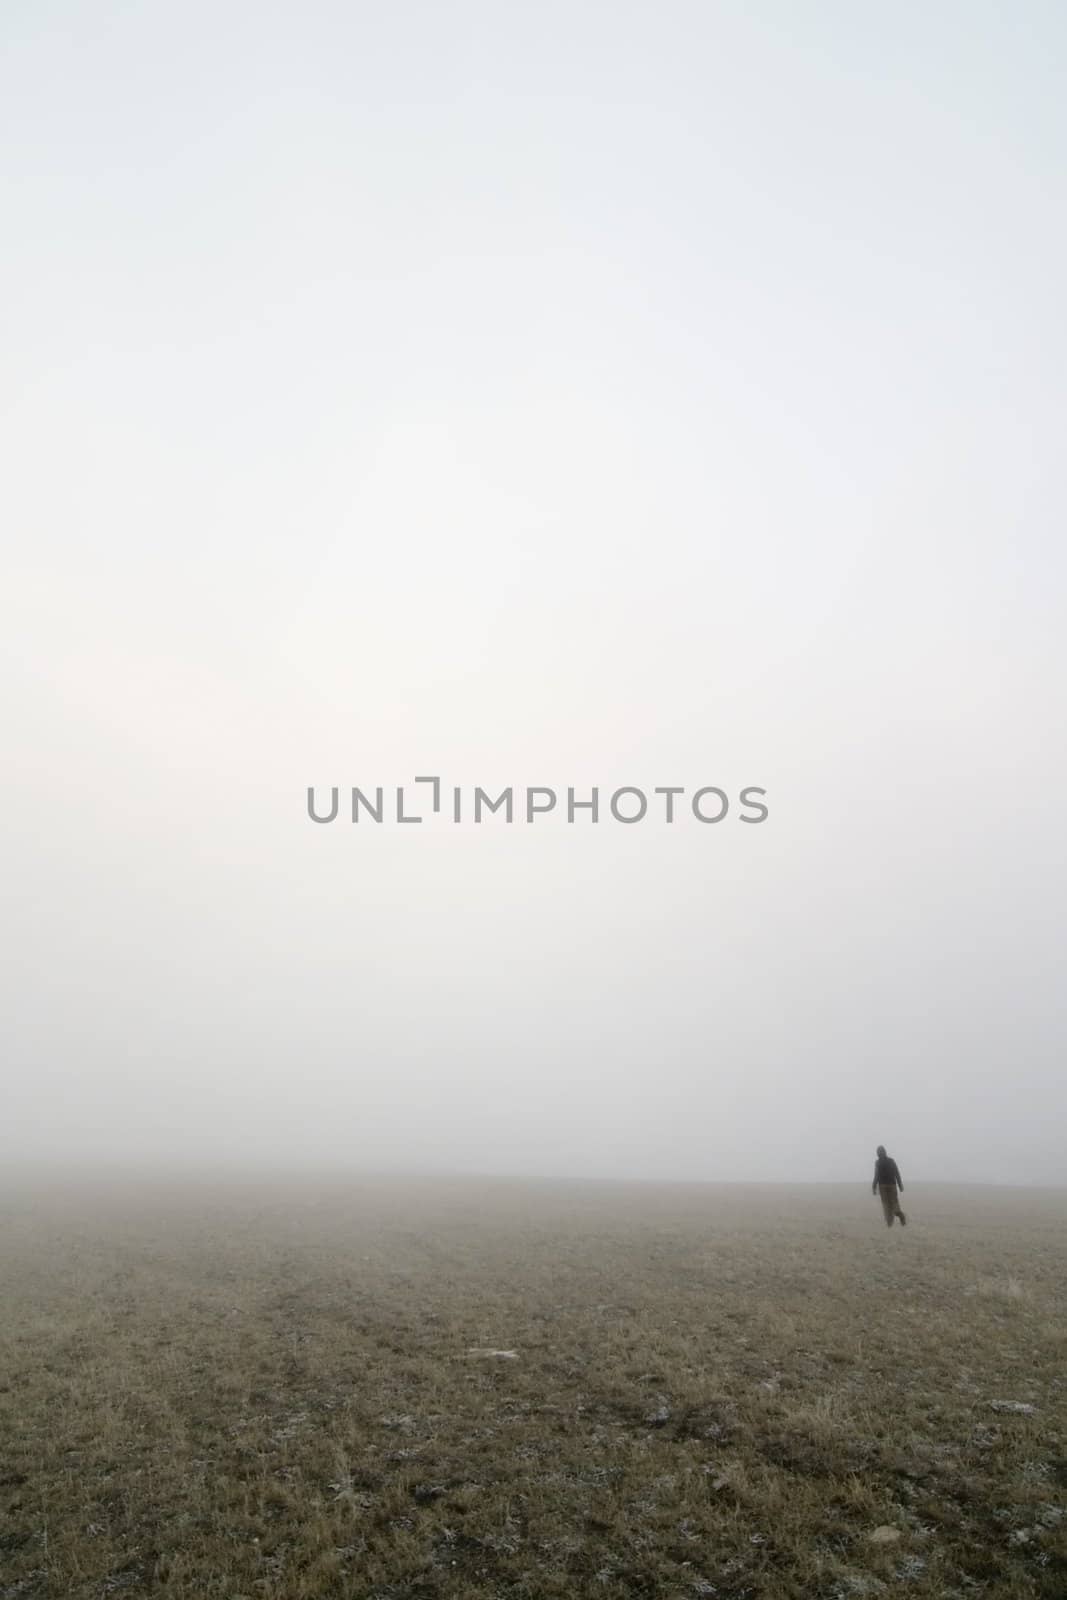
[[557, 394]]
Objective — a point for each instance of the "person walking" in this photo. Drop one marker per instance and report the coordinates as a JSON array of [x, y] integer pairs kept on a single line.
[[887, 1182]]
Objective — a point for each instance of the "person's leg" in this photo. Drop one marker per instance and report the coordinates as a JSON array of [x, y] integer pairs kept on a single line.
[[900, 1214], [887, 1192]]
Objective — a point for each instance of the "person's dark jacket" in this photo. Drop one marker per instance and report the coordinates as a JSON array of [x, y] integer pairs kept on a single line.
[[886, 1171]]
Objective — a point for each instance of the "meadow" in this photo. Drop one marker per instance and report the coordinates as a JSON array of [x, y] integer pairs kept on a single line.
[[279, 1390]]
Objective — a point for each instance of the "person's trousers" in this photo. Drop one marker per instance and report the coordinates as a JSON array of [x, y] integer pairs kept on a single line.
[[890, 1203]]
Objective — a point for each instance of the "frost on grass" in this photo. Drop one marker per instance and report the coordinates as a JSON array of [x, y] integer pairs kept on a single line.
[[697, 1401]]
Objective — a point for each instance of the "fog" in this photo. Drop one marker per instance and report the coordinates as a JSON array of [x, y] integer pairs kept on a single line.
[[558, 396]]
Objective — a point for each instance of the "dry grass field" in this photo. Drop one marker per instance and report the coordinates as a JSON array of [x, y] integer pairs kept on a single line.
[[299, 1390]]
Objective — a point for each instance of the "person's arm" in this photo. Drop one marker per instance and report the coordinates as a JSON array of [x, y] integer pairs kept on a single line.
[[874, 1185], [900, 1180]]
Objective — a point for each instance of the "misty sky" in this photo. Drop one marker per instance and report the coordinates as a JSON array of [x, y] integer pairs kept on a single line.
[[535, 394]]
